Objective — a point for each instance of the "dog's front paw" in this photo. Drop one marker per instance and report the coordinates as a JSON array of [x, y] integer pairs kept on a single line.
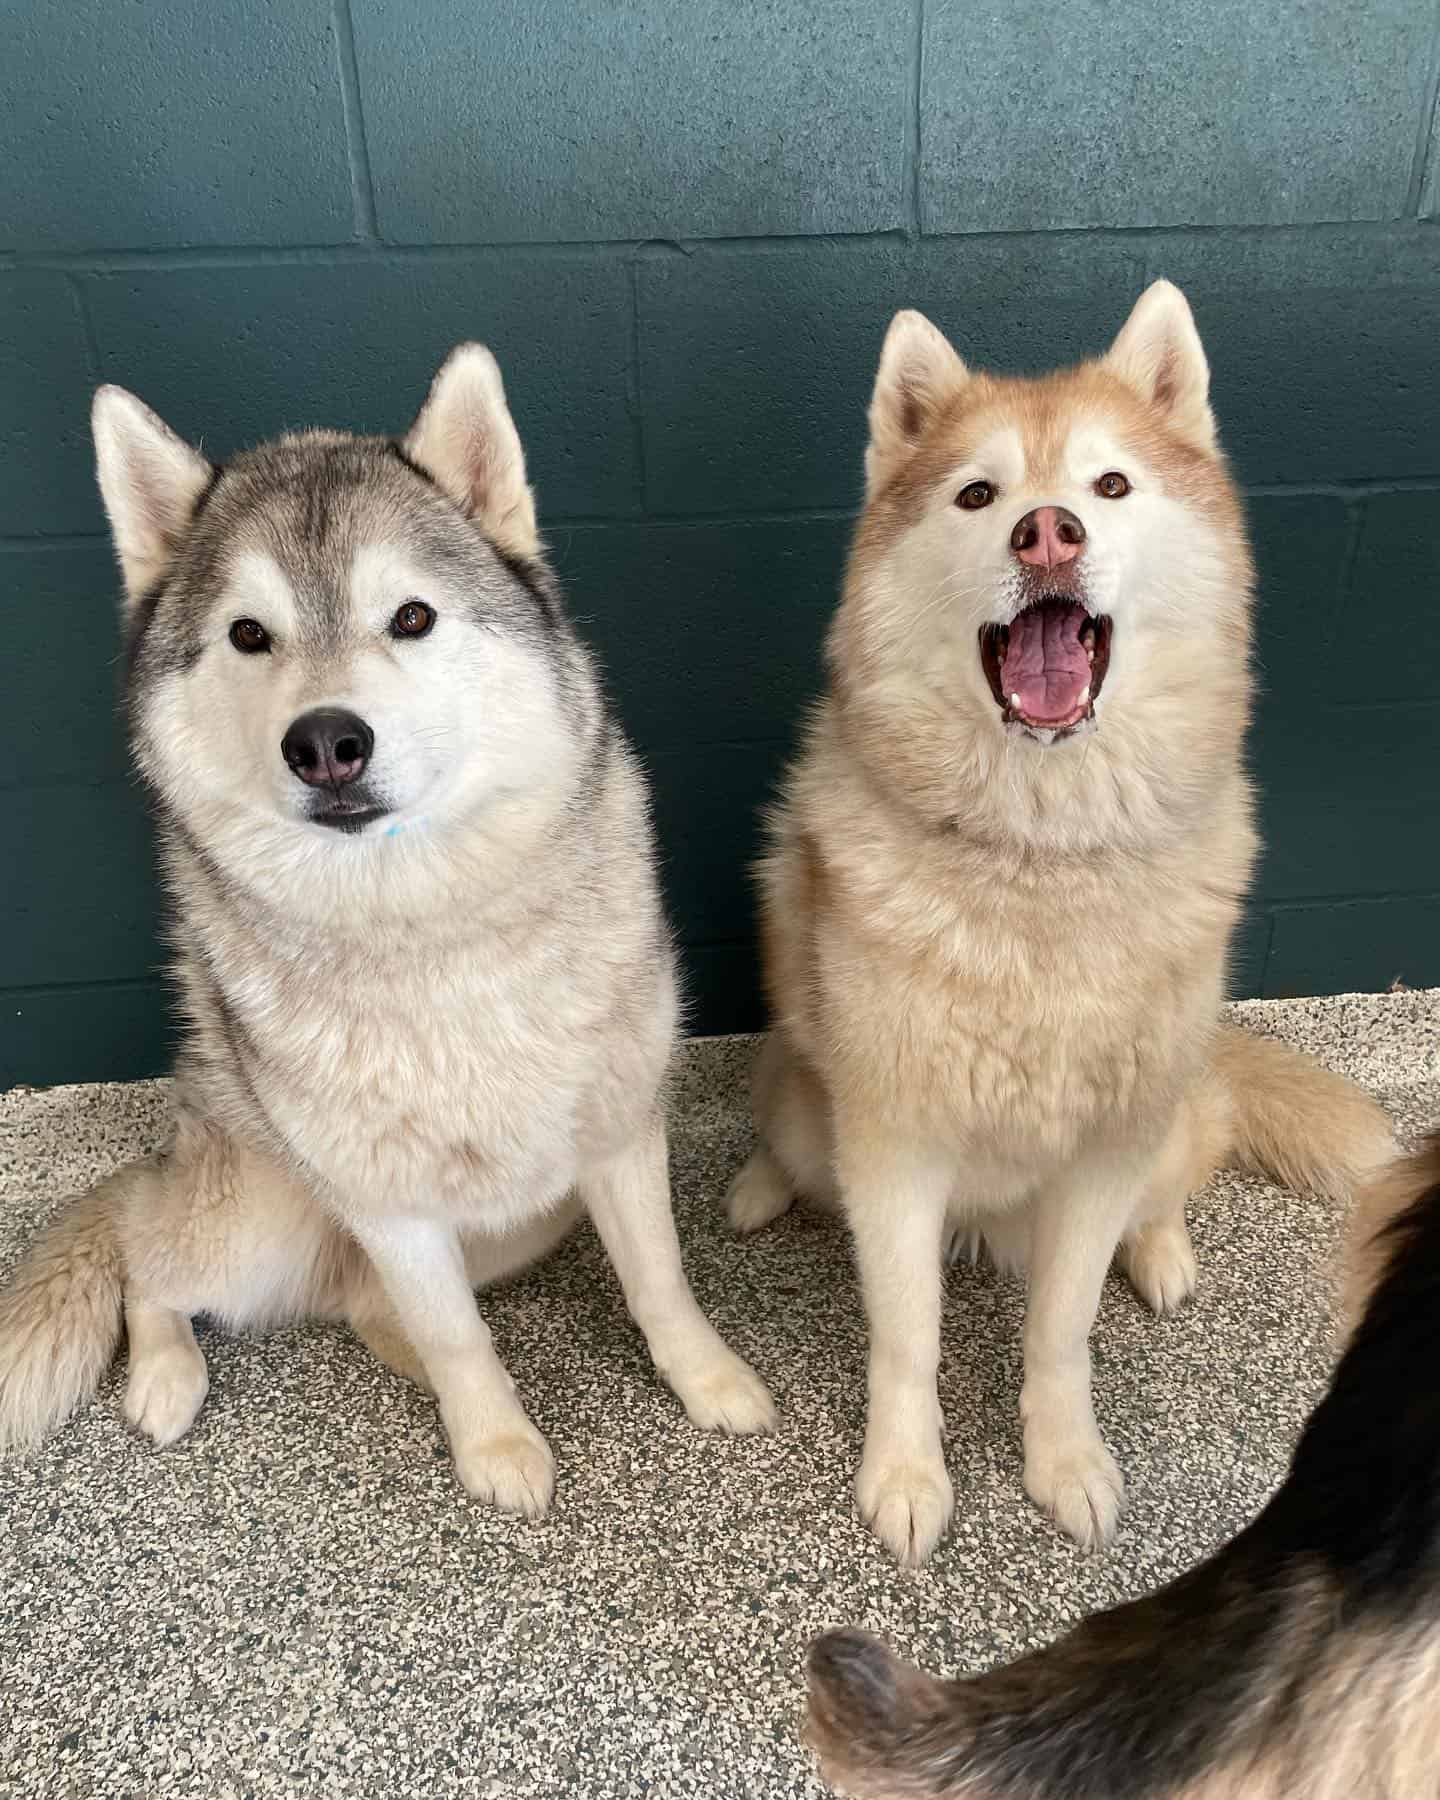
[[512, 1469], [723, 1393], [1078, 1482], [906, 1502], [165, 1390], [1160, 1262]]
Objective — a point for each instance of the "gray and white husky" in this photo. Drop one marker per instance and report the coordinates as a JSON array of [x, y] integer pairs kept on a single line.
[[420, 948]]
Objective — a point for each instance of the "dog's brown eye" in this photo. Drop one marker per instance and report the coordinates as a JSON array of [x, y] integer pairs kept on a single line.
[[413, 619], [975, 495], [250, 636], [1112, 486]]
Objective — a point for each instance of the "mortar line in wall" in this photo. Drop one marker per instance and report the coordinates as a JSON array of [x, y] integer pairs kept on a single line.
[[362, 186], [796, 515], [801, 515], [1301, 903], [635, 386], [229, 255], [1359, 489], [103, 984], [1404, 703], [56, 540], [87, 327], [1268, 915], [917, 73], [1349, 557], [1425, 131]]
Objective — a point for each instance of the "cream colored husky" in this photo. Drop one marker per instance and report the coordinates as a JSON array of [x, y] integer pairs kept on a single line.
[[1002, 883]]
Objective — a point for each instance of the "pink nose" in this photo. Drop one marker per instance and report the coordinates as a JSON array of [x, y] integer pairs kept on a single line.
[[1047, 537]]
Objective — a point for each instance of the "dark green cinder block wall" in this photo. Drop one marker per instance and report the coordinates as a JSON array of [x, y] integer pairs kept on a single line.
[[683, 225]]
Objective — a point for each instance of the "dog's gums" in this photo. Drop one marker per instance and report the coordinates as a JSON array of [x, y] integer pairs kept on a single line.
[[1047, 666]]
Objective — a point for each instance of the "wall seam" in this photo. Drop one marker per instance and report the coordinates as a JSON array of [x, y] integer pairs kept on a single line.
[[87, 327], [181, 256], [635, 389], [1425, 131], [913, 144], [362, 185]]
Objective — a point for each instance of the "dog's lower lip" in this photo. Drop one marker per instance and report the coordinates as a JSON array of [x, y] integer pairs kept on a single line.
[[348, 818]]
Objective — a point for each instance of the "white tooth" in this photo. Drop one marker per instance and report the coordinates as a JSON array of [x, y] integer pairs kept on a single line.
[[1086, 695], [1015, 701]]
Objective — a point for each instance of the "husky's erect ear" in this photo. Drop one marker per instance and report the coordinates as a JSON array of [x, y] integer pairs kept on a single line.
[[1158, 352], [150, 481], [466, 440], [919, 375]]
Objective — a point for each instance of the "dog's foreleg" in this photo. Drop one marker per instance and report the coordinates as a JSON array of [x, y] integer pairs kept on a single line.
[[1077, 1225], [499, 1455], [628, 1197], [895, 1201]]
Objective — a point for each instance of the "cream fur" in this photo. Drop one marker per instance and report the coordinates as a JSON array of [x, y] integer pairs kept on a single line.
[[995, 963]]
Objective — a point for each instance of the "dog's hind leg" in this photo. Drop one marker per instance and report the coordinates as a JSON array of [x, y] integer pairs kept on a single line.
[[211, 1227], [1004, 1236], [794, 1153], [380, 1332], [167, 1380], [1156, 1249]]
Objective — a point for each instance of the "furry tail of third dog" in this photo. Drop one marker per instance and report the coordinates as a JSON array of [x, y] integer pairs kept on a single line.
[[1302, 1659], [61, 1315]]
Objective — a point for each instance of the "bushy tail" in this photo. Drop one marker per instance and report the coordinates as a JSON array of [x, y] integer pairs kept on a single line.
[[60, 1317], [1291, 1119], [1302, 1658], [881, 1729]]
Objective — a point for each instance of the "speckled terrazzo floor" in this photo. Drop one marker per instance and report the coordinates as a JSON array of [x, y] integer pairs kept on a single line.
[[299, 1599]]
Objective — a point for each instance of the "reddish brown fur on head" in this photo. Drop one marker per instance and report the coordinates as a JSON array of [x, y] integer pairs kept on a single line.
[[929, 410], [939, 577], [1042, 409]]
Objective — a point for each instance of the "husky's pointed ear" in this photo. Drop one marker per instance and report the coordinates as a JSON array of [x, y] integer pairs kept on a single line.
[[150, 481], [1158, 352], [919, 375], [466, 441]]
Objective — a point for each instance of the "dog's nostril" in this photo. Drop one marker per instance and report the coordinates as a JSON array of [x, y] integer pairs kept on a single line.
[[299, 752], [348, 750]]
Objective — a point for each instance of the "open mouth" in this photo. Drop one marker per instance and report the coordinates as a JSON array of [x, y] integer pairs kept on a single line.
[[347, 818], [1047, 666]]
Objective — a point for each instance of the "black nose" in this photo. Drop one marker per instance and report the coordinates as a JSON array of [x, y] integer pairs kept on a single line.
[[327, 747]]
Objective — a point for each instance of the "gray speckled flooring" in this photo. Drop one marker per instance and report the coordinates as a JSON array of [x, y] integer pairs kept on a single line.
[[299, 1599]]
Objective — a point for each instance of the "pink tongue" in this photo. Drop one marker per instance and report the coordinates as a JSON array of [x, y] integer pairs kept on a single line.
[[1045, 662]]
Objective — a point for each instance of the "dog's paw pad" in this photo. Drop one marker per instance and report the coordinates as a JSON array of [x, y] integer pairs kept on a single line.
[[758, 1195], [1081, 1488], [165, 1390], [1161, 1265], [908, 1505], [727, 1395], [512, 1470]]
